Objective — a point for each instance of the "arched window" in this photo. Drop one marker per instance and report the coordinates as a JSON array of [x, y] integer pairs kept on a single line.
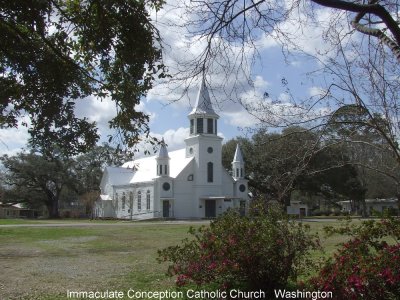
[[131, 200], [123, 200], [116, 200], [139, 200], [210, 125], [191, 126], [199, 125], [148, 200], [210, 172]]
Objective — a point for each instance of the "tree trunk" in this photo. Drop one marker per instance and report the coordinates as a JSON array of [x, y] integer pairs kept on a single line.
[[52, 205], [363, 208], [53, 210], [398, 202]]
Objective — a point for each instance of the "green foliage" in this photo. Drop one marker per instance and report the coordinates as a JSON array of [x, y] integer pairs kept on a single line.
[[367, 266], [262, 251], [43, 179], [279, 163], [37, 180], [56, 52]]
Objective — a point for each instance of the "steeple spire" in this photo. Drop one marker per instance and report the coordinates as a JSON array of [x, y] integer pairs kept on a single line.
[[163, 152], [238, 155], [238, 164], [203, 104]]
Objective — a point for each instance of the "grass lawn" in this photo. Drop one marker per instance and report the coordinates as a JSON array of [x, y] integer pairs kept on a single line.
[[59, 221], [45, 262]]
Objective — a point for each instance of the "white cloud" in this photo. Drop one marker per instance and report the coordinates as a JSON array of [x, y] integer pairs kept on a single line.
[[97, 110], [241, 119], [260, 82], [284, 97], [174, 138], [315, 91], [181, 48], [309, 29], [12, 140], [104, 110]]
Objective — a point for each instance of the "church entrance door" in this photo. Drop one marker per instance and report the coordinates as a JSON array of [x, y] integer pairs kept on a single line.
[[211, 209], [165, 209]]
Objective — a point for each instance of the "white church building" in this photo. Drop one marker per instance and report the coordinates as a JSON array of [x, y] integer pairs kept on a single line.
[[189, 183]]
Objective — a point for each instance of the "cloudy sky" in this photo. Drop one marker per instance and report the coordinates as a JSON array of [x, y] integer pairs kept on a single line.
[[169, 119]]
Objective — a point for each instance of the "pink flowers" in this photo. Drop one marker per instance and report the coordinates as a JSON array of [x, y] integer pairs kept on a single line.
[[182, 280], [239, 252], [356, 282], [365, 267], [212, 266]]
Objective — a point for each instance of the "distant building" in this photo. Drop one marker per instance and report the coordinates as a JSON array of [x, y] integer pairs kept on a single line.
[[378, 205], [13, 211], [187, 183], [297, 208]]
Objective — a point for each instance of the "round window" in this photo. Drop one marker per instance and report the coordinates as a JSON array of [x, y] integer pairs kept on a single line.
[[191, 150], [210, 150], [242, 188], [166, 186]]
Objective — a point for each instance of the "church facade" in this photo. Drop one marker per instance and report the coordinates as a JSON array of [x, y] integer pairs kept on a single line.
[[189, 183]]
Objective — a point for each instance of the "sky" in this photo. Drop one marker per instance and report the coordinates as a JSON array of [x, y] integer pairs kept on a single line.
[[169, 120]]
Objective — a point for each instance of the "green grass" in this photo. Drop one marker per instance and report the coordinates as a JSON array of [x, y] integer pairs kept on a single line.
[[51, 260], [329, 244], [56, 221]]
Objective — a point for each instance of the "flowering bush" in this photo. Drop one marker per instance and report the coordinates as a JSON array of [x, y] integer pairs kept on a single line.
[[365, 267], [251, 253]]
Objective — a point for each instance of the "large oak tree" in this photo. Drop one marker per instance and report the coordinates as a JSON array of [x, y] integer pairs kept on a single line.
[[36, 179], [53, 53]]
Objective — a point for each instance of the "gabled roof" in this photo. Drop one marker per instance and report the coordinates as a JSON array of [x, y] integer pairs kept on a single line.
[[203, 104], [145, 169]]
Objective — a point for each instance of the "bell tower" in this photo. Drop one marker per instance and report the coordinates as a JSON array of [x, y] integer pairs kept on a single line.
[[203, 142]]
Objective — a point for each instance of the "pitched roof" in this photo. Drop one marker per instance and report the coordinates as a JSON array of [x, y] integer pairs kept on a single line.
[[203, 104], [145, 169], [118, 175], [238, 155]]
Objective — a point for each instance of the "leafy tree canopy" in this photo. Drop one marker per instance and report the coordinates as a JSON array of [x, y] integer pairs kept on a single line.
[[55, 52], [278, 163], [37, 179]]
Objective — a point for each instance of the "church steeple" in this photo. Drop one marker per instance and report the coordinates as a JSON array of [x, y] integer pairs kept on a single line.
[[163, 160], [203, 118], [238, 164]]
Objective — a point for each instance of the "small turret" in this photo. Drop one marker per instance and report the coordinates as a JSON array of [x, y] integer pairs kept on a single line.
[[163, 160], [238, 164]]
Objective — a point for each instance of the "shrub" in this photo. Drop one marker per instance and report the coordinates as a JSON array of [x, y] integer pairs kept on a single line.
[[259, 252], [365, 267]]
